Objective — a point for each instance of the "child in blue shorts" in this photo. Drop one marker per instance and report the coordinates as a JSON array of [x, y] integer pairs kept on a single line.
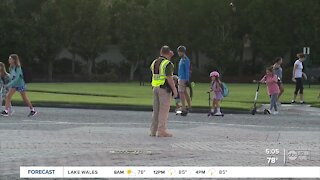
[[16, 84]]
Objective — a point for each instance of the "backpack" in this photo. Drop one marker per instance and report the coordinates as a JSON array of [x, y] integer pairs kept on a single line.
[[25, 75], [225, 90]]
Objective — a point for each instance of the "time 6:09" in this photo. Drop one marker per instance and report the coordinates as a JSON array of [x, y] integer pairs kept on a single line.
[[272, 151]]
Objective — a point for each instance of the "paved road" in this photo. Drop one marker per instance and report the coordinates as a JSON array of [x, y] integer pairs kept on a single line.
[[73, 137]]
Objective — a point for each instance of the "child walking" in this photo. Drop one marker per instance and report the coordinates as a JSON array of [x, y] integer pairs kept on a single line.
[[216, 87], [273, 89], [277, 70], [298, 76], [16, 84], [4, 80], [177, 99]]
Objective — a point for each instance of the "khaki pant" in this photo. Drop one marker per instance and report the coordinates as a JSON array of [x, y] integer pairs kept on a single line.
[[161, 108]]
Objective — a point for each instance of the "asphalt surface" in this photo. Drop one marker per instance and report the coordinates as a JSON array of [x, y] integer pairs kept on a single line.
[[80, 137]]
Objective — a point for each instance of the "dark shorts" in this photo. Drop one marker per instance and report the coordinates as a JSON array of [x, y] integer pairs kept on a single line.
[[20, 88], [299, 86]]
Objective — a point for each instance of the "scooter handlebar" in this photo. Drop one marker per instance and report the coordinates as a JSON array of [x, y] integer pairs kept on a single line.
[[255, 81]]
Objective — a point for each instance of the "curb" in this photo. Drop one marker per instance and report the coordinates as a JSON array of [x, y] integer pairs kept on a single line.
[[77, 94], [122, 107]]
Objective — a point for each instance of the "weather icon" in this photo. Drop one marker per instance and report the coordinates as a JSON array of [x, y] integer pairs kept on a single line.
[[171, 172], [129, 171], [212, 172]]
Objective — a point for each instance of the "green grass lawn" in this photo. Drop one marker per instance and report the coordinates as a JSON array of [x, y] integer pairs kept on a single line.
[[240, 97]]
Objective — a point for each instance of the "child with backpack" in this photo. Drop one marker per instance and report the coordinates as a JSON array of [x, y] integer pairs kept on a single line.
[[4, 79], [16, 83], [273, 89], [217, 88]]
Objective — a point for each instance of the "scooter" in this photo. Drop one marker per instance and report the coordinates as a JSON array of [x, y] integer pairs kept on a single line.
[[254, 109], [212, 113]]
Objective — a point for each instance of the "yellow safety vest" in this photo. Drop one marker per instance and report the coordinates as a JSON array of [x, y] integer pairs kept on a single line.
[[159, 79]]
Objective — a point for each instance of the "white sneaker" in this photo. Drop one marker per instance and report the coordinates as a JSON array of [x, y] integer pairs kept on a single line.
[[218, 114], [267, 111], [275, 113]]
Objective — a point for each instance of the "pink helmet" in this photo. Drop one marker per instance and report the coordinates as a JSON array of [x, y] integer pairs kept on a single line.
[[214, 73]]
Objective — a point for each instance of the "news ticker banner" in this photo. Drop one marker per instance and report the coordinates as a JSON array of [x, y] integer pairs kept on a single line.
[[167, 172]]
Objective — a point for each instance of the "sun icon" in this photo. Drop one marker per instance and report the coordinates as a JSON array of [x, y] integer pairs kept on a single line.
[[171, 172], [212, 172], [129, 171]]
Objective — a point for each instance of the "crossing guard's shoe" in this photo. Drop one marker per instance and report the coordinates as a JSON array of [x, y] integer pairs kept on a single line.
[[164, 134], [153, 134], [4, 113]]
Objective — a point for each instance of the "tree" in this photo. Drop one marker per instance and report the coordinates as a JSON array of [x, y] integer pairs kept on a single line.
[[50, 33], [90, 30], [69, 21], [41, 28], [7, 22], [15, 31], [134, 40], [217, 34]]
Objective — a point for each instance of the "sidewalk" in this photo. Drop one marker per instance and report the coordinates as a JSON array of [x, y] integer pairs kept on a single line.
[[82, 137], [304, 109]]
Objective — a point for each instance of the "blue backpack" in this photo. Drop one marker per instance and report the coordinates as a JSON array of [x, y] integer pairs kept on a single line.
[[225, 90]]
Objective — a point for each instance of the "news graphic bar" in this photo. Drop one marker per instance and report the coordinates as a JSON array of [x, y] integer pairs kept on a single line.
[[168, 172]]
